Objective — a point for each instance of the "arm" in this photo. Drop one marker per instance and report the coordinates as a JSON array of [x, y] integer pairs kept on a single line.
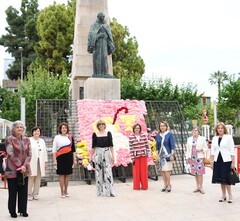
[[54, 150], [74, 153], [131, 148], [232, 151], [172, 144], [111, 145], [27, 161], [94, 142], [9, 149]]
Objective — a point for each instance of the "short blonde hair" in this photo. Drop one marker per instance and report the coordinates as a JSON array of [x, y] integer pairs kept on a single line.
[[224, 127], [101, 122]]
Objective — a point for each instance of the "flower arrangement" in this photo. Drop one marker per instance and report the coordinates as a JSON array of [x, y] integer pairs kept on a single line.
[[82, 153]]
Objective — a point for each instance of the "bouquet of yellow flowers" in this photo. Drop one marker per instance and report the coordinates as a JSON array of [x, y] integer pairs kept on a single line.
[[82, 153]]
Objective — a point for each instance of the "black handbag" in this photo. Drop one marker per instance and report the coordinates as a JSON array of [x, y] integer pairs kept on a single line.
[[20, 179], [233, 176], [168, 158]]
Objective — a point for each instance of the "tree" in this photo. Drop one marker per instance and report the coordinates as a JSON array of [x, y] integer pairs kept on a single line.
[[228, 107], [41, 84], [126, 61], [21, 32], [10, 105], [55, 26], [218, 78]]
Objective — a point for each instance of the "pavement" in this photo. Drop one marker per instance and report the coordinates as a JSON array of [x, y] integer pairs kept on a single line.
[[131, 205]]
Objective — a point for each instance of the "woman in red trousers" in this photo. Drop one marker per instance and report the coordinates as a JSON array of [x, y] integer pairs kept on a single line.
[[139, 149]]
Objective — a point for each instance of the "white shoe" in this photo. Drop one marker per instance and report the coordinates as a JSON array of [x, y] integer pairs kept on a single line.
[[30, 198], [35, 198]]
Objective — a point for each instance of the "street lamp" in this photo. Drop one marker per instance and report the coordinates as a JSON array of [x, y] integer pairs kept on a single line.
[[21, 51], [23, 110]]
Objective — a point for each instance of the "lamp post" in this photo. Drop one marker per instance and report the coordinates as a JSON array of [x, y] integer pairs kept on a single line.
[[22, 98]]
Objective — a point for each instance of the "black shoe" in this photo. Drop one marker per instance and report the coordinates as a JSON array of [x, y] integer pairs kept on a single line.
[[164, 189], [221, 200], [168, 190], [24, 214], [13, 215]]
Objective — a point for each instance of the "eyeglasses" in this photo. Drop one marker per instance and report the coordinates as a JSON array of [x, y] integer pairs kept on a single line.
[[101, 124]]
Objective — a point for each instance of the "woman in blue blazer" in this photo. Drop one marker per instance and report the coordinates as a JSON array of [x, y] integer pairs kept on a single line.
[[222, 160], [165, 147]]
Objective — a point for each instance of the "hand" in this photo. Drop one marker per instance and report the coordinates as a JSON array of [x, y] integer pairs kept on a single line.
[[233, 165], [23, 169], [211, 165]]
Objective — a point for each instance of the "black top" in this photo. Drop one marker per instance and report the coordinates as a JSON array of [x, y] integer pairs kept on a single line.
[[102, 141], [219, 141]]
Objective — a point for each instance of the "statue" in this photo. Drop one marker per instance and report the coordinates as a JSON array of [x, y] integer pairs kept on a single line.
[[100, 44]]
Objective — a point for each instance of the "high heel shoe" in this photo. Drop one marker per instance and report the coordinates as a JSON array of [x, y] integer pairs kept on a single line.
[[24, 214], [223, 199], [230, 199], [164, 189], [13, 215]]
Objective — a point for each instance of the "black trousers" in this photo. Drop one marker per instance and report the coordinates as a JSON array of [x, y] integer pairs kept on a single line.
[[17, 192]]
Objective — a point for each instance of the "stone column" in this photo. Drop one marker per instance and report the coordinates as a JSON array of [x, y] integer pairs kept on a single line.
[[82, 65]]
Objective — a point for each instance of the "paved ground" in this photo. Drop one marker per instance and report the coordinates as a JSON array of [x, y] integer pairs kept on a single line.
[[129, 205]]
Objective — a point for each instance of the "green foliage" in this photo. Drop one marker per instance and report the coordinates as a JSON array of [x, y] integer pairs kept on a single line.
[[228, 107], [55, 26], [10, 105], [41, 84], [162, 89], [21, 32], [126, 61]]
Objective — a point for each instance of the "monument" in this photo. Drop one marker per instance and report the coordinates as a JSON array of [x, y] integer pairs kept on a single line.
[[86, 81]]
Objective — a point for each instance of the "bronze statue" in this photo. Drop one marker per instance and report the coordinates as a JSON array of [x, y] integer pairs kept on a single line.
[[100, 44]]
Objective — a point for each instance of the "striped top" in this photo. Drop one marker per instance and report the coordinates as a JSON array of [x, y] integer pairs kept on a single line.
[[138, 147]]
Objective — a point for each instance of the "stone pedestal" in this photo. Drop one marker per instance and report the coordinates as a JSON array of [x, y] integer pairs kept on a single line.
[[102, 89]]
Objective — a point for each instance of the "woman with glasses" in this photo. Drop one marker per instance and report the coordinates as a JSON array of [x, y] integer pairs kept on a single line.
[[139, 151], [38, 163], [165, 146], [103, 154], [196, 148]]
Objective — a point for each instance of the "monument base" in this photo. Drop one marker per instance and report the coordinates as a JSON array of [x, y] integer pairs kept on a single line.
[[102, 89]]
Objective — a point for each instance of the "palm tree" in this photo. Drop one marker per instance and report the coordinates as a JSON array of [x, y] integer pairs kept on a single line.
[[218, 78]]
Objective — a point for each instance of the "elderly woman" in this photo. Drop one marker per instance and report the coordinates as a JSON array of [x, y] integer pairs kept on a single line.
[[222, 160], [196, 148], [18, 169], [102, 151]]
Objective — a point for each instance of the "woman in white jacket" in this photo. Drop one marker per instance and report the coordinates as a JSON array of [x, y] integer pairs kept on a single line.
[[38, 163], [222, 160], [196, 148]]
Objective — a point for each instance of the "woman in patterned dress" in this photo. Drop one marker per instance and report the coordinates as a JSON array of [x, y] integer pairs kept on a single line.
[[196, 148]]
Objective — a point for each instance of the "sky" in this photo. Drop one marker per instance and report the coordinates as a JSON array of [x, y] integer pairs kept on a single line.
[[185, 40]]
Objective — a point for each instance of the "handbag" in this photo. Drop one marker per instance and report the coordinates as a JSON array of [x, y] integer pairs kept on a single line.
[[20, 179], [233, 176], [168, 158]]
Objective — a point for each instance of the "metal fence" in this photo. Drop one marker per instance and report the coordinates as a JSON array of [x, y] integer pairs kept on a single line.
[[49, 113]]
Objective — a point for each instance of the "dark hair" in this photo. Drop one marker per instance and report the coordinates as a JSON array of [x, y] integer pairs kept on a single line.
[[36, 128], [134, 126], [60, 127]]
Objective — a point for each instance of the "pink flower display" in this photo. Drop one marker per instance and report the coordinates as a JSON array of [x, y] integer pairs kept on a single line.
[[119, 115]]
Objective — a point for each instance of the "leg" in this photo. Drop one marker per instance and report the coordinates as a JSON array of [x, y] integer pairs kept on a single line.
[[229, 190], [66, 182], [61, 182], [12, 195], [37, 182], [197, 184], [31, 180], [22, 197], [223, 188], [168, 181], [136, 174], [98, 170], [144, 172], [164, 180], [108, 177]]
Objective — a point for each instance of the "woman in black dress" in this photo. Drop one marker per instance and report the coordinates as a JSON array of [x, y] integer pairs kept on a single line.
[[64, 157]]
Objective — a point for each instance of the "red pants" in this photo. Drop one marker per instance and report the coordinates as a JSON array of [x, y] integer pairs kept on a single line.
[[140, 173]]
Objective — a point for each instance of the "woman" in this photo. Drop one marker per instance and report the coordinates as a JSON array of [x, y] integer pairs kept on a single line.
[[139, 150], [196, 148], [64, 157], [222, 160], [165, 147], [38, 163], [17, 169], [102, 151]]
